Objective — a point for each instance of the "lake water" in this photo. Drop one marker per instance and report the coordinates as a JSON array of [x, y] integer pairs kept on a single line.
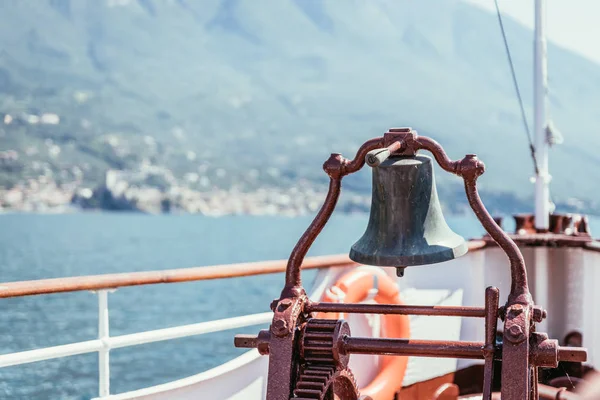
[[51, 246]]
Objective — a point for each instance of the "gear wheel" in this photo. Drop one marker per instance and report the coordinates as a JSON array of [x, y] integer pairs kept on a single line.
[[324, 374], [326, 383], [320, 342]]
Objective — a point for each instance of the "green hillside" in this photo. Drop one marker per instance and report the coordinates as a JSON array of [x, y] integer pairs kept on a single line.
[[264, 89]]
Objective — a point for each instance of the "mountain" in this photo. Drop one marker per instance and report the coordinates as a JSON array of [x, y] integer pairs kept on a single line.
[[253, 92]]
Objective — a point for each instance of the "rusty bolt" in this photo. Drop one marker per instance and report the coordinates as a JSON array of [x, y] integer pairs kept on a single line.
[[515, 334], [280, 328], [539, 314], [515, 310], [284, 305]]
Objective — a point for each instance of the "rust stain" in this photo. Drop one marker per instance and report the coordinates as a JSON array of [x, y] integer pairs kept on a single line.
[[300, 346]]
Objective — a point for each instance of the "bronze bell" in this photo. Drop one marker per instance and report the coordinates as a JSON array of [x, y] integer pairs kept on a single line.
[[406, 226]]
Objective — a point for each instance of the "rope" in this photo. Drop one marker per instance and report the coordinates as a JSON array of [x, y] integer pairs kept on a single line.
[[518, 92]]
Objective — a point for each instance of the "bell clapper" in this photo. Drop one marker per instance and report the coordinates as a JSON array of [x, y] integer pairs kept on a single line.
[[400, 271]]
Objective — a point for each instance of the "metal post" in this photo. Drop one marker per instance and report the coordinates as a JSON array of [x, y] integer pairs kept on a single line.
[[542, 181], [541, 284], [103, 354], [492, 295]]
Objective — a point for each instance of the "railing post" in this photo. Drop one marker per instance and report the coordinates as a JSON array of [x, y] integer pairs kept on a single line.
[[103, 354]]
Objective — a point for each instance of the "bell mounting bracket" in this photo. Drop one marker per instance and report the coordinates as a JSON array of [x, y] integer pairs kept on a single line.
[[522, 348]]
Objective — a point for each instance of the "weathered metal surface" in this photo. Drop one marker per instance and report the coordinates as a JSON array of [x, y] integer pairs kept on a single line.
[[522, 350], [260, 342], [283, 363], [112, 281], [450, 311], [519, 286], [324, 372], [406, 224], [570, 225], [581, 225], [550, 240], [560, 223], [326, 383], [492, 296], [412, 347], [321, 342], [524, 224], [335, 167], [282, 346], [515, 352]]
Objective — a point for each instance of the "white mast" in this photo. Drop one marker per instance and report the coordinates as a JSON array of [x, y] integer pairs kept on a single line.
[[542, 182]]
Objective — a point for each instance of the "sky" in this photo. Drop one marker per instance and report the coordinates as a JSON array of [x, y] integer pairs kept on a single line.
[[573, 24]]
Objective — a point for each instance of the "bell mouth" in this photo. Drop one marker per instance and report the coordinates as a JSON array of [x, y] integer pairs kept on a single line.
[[434, 254]]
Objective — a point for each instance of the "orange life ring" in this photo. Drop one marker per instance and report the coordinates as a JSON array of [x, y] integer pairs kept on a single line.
[[357, 286]]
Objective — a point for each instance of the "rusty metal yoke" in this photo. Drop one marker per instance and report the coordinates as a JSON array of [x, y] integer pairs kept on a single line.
[[522, 348]]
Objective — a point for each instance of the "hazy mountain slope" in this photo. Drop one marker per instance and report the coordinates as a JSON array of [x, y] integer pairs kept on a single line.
[[281, 83]]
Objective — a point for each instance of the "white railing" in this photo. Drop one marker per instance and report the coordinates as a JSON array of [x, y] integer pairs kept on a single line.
[[105, 342], [102, 285]]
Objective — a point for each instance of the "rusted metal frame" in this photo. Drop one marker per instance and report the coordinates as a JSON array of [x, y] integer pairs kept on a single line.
[[336, 167], [225, 271], [289, 309], [519, 306], [548, 240], [572, 225], [492, 295], [293, 277], [282, 346], [450, 311], [533, 374], [519, 286], [411, 347], [113, 281], [469, 168], [516, 379], [284, 322], [439, 154]]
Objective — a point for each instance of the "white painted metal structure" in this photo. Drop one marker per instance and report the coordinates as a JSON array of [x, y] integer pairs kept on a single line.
[[244, 378], [105, 342], [563, 280], [540, 80]]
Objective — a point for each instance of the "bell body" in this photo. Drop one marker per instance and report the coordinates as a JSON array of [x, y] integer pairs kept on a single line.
[[406, 226]]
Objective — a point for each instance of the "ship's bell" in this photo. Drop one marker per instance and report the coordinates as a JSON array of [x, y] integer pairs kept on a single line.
[[406, 226]]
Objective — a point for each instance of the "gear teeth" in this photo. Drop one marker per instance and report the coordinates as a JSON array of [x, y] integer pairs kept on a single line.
[[318, 341], [313, 382], [320, 370]]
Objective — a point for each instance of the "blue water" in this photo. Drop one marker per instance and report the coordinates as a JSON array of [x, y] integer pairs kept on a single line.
[[51, 246]]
